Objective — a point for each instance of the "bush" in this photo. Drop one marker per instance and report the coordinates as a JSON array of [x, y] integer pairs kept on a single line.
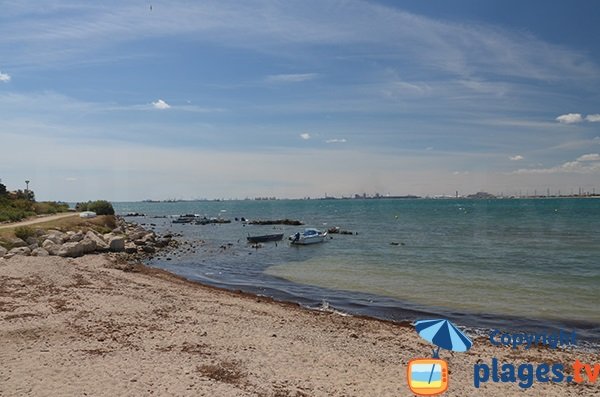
[[100, 207], [50, 207], [24, 232]]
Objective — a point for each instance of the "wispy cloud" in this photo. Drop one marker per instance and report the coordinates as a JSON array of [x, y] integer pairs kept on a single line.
[[570, 118], [573, 118], [4, 77], [585, 164], [291, 78], [518, 157], [305, 135], [161, 105], [335, 140], [593, 118], [466, 50], [589, 157]]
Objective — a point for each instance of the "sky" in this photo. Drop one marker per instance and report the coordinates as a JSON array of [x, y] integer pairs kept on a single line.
[[141, 99]]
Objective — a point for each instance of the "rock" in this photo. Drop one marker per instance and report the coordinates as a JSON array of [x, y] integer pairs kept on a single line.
[[162, 242], [72, 250], [33, 246], [31, 240], [130, 248], [88, 246], [3, 251], [51, 247], [56, 237], [139, 243], [117, 230], [25, 251], [149, 249], [137, 235], [39, 252], [76, 237], [101, 245], [17, 242], [149, 237], [117, 244]]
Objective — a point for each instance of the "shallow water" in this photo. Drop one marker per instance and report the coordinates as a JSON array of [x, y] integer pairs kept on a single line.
[[519, 262]]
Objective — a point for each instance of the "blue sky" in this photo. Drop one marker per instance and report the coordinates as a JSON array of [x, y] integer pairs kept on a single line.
[[129, 100]]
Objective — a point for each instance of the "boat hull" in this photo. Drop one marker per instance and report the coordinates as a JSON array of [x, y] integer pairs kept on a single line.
[[265, 238]]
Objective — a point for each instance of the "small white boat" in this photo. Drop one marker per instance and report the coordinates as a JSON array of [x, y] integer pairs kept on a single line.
[[309, 236]]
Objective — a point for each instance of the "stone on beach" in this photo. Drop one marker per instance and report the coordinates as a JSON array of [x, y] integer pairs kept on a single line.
[[117, 244], [20, 251], [39, 252], [72, 250], [101, 245], [17, 242]]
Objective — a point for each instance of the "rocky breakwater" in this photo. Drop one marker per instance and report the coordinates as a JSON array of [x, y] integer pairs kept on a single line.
[[126, 237]]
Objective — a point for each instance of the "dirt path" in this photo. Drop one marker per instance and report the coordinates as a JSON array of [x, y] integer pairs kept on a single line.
[[40, 219]]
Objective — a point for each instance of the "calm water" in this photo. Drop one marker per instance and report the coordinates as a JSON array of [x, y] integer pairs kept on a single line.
[[518, 263]]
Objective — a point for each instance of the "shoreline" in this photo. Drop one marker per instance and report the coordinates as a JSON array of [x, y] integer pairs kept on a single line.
[[103, 327]]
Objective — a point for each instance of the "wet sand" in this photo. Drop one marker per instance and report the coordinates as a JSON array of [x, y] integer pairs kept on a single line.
[[97, 327]]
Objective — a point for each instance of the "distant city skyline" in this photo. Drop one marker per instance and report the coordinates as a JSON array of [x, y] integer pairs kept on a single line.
[[135, 100]]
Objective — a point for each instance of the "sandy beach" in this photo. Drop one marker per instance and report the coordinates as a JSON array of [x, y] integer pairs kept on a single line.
[[94, 326]]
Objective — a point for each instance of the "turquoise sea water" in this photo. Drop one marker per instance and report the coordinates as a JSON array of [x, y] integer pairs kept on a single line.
[[520, 260]]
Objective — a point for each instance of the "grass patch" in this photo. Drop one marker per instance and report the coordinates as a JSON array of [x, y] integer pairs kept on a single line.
[[24, 232]]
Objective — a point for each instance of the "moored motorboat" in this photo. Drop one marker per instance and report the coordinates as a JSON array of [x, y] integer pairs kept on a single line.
[[265, 238], [309, 236]]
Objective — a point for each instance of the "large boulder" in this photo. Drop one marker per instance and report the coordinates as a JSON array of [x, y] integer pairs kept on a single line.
[[3, 251], [76, 237], [56, 236], [17, 242], [117, 244], [51, 247], [25, 251], [88, 246], [31, 240], [39, 252], [101, 245], [72, 250]]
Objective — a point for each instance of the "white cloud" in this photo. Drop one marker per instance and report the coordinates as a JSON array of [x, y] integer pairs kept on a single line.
[[70, 179], [593, 118], [160, 104], [291, 78], [570, 118], [305, 135], [4, 77], [516, 158], [343, 140], [589, 157], [585, 164]]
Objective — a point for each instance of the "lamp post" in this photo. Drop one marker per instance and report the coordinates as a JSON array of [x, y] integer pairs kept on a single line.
[[27, 189]]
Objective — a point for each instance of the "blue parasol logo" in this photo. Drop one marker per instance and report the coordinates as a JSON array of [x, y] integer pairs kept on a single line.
[[429, 377], [443, 334]]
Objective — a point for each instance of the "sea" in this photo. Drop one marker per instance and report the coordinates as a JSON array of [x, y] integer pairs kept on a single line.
[[508, 264]]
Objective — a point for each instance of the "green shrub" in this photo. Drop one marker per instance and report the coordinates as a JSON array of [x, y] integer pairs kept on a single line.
[[100, 207], [50, 207], [24, 232]]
